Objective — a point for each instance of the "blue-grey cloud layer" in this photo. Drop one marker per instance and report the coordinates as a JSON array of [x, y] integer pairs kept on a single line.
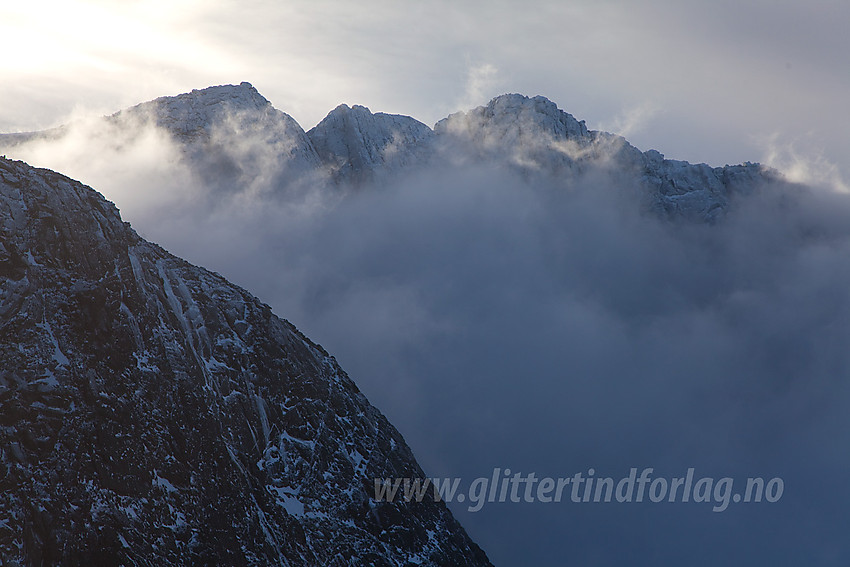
[[504, 324], [551, 328]]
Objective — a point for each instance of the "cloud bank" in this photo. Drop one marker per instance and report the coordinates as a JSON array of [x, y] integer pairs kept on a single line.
[[546, 325]]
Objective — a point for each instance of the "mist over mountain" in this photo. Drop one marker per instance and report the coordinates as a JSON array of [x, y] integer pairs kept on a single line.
[[234, 145], [516, 290]]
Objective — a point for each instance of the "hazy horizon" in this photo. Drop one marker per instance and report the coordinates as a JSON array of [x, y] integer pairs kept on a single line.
[[724, 82]]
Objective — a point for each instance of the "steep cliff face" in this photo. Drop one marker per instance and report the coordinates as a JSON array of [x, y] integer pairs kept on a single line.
[[153, 413]]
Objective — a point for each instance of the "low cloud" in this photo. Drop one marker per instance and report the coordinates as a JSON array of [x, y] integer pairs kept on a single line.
[[547, 325], [138, 165]]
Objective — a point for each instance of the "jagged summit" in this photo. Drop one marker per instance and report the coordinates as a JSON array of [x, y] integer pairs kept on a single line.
[[232, 138], [236, 141], [357, 145], [191, 112], [528, 133], [514, 118], [534, 136], [244, 94], [241, 96]]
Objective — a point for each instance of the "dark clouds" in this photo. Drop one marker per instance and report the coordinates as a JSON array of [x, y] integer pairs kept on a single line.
[[555, 328]]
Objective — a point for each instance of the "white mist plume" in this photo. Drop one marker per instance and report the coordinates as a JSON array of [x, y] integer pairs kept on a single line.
[[138, 165], [808, 166], [631, 120], [481, 82]]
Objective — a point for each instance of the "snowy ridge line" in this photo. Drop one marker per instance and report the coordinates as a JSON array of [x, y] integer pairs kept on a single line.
[[233, 140]]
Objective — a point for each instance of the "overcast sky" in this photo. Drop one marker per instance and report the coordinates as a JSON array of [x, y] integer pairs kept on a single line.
[[538, 329], [721, 82]]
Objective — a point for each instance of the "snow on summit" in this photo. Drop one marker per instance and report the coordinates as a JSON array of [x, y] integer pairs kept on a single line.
[[355, 143], [237, 143]]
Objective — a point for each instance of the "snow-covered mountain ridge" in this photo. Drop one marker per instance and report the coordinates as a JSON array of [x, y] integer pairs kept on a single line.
[[533, 134], [234, 140]]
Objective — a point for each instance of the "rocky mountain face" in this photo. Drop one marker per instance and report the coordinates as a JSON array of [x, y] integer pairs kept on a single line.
[[535, 136], [232, 137], [236, 142], [531, 135], [359, 147], [151, 413]]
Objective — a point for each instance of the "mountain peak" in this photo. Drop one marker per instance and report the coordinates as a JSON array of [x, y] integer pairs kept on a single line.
[[516, 117], [227, 130], [343, 110], [242, 95], [357, 144], [188, 113], [517, 100]]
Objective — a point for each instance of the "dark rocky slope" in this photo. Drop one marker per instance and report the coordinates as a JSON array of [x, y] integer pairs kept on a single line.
[[152, 413]]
